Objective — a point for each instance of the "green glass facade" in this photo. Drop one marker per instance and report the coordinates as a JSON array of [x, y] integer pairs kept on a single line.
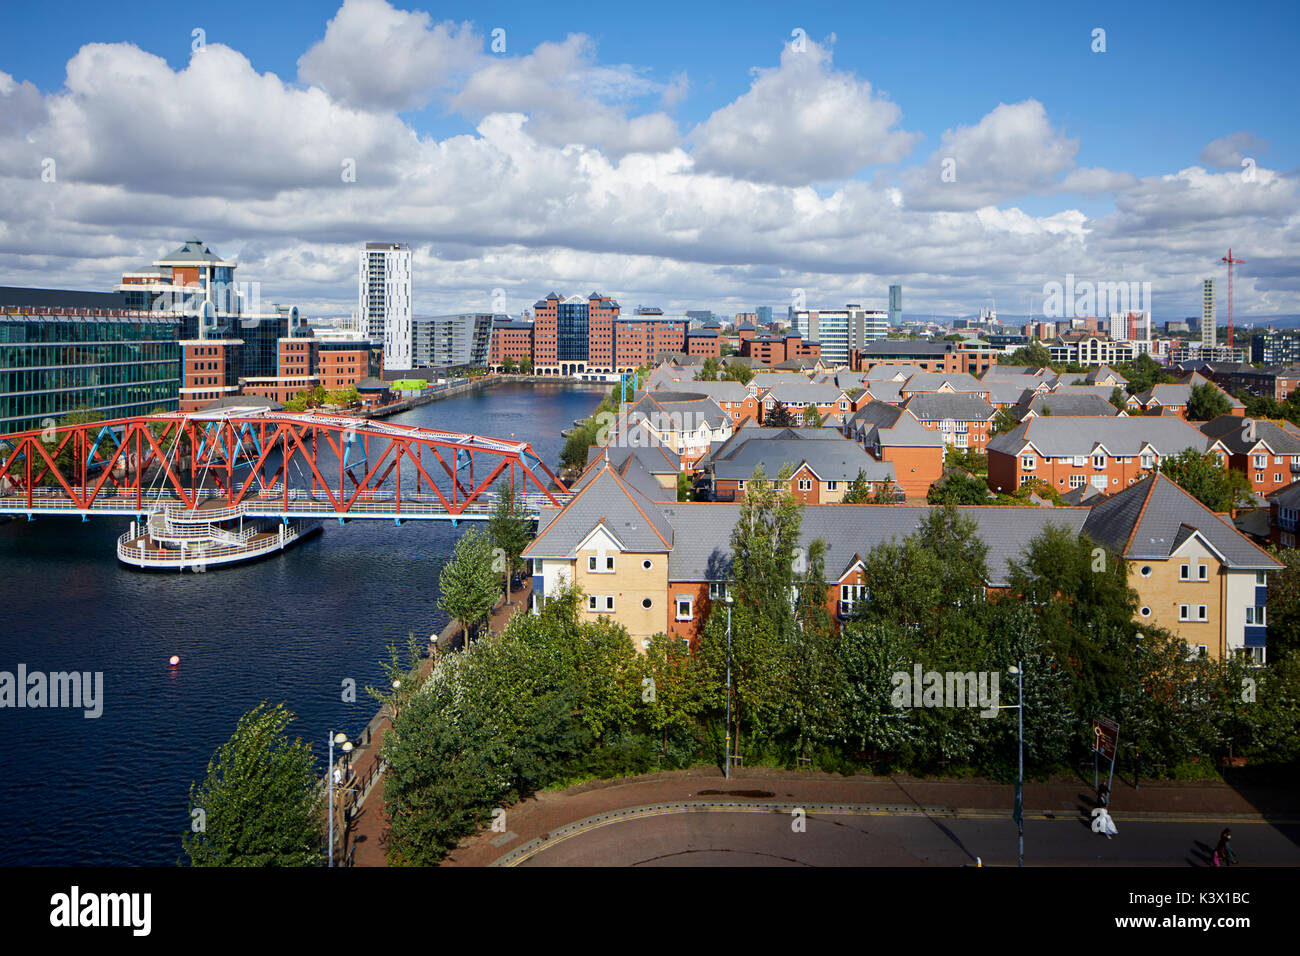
[[54, 364]]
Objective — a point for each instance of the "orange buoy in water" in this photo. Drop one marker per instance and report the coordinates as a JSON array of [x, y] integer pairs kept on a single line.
[[175, 659]]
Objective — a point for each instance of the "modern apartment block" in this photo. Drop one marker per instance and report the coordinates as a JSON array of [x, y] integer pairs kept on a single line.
[[451, 341], [1209, 316], [384, 299], [972, 358], [840, 331], [1276, 347], [895, 305]]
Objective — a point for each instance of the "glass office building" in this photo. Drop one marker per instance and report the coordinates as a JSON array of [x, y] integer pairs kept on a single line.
[[118, 365], [571, 330]]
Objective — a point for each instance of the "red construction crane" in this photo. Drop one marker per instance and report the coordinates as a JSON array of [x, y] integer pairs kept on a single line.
[[1230, 261]]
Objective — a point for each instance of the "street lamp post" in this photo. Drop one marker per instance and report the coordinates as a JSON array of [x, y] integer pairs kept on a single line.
[[1019, 671], [346, 747], [726, 767]]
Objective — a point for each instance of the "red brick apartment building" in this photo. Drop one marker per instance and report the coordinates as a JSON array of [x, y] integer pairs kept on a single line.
[[1110, 454], [774, 349]]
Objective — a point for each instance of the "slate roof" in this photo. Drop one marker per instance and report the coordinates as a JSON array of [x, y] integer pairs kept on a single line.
[[763, 380], [938, 406], [657, 459], [792, 392], [1059, 436], [1154, 517], [633, 469], [1181, 394], [890, 426], [933, 381], [703, 551], [687, 409], [606, 498], [1231, 430], [1288, 497], [839, 460], [880, 373], [721, 391], [1088, 403]]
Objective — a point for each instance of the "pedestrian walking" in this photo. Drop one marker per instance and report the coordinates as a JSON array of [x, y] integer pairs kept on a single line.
[[1103, 796], [1223, 855]]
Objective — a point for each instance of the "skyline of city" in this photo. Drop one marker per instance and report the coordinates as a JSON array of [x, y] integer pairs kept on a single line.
[[520, 152]]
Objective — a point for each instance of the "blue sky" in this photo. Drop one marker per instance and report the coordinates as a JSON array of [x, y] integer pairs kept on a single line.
[[1174, 77]]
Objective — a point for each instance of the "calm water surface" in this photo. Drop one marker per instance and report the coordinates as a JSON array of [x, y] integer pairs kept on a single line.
[[291, 628]]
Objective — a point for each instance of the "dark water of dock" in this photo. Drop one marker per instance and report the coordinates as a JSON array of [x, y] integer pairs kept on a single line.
[[291, 628]]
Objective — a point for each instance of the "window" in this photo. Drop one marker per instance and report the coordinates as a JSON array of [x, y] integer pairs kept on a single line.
[[684, 606], [1099, 461], [805, 484], [1146, 571], [717, 590], [1277, 477], [647, 603], [1078, 481], [1145, 612], [1148, 461], [1261, 461], [851, 594], [1255, 614], [1184, 612], [1261, 579], [647, 564], [1099, 482], [1027, 462], [740, 485], [1080, 461], [832, 485]]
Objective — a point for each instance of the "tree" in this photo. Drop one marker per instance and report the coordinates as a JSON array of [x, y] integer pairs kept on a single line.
[[508, 365], [812, 417], [526, 365], [958, 489], [738, 372], [859, 490], [763, 586], [779, 417], [260, 802], [509, 528], [1284, 605], [1119, 399], [1199, 474], [1003, 421], [1207, 402], [1035, 355], [709, 370], [684, 490], [886, 494], [466, 583]]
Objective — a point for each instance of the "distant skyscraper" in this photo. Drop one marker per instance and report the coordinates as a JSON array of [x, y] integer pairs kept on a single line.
[[1209, 322], [895, 305], [763, 315], [384, 300]]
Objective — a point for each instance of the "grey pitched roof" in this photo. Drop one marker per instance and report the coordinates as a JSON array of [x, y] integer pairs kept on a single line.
[[605, 498], [762, 380], [1231, 430], [703, 551], [1059, 436], [938, 406], [879, 373], [634, 470], [838, 460], [1154, 517], [1288, 497], [720, 391], [1063, 402], [933, 381], [657, 459], [788, 393], [888, 391], [1181, 394], [685, 409]]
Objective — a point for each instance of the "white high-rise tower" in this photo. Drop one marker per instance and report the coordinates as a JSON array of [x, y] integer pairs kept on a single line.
[[384, 300], [1209, 317]]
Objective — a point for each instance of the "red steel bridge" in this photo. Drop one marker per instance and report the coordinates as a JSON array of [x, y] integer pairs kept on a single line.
[[267, 463]]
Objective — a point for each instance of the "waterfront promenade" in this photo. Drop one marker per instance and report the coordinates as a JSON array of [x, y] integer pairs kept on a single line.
[[365, 841]]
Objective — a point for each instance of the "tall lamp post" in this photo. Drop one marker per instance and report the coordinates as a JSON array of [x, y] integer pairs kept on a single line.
[[346, 747], [1019, 708], [726, 767]]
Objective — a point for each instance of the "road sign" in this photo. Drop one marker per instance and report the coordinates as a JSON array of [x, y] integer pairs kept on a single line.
[[1105, 734]]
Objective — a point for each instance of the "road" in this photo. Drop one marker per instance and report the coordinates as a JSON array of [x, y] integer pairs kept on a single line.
[[767, 836]]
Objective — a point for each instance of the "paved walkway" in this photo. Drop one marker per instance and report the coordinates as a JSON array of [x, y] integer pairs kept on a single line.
[[538, 816], [366, 839]]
